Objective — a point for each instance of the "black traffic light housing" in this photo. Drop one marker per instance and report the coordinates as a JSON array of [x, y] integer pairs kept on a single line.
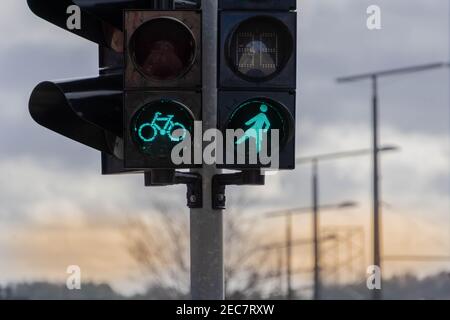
[[162, 85], [157, 154], [157, 30], [90, 110], [258, 4], [111, 11], [111, 62], [150, 82], [235, 26], [81, 111], [229, 102], [257, 76]]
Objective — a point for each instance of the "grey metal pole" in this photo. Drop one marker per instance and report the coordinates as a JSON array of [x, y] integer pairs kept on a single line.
[[207, 271], [289, 256], [377, 295], [280, 270], [377, 232], [315, 191]]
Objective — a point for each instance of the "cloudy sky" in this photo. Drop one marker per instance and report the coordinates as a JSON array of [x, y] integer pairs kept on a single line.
[[57, 210]]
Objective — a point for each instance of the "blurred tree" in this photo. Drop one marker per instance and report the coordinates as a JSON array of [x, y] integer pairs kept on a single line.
[[160, 245]]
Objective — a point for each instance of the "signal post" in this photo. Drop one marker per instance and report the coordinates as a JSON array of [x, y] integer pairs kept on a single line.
[[164, 66]]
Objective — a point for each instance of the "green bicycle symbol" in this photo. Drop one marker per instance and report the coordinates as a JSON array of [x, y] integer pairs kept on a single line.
[[169, 128]]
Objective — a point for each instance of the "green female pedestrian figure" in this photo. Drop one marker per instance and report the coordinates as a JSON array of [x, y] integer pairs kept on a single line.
[[259, 124]]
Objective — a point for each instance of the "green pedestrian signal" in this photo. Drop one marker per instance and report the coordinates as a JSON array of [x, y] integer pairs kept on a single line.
[[257, 81], [257, 118], [259, 124]]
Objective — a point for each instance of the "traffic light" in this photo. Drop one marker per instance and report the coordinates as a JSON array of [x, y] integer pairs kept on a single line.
[[91, 110], [147, 96], [162, 85], [257, 78], [257, 4]]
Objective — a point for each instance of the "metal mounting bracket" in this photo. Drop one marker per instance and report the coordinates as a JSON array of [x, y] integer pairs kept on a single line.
[[169, 177], [220, 181]]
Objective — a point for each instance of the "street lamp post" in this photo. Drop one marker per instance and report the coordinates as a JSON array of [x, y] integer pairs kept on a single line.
[[289, 255], [314, 160], [288, 214], [374, 76], [316, 271]]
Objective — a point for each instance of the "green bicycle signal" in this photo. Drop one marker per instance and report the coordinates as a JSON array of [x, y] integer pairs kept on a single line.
[[159, 125], [169, 128]]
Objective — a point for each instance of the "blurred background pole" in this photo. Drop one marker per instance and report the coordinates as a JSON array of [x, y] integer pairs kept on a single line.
[[314, 160], [289, 295], [376, 187], [315, 192], [206, 225], [289, 243], [376, 223]]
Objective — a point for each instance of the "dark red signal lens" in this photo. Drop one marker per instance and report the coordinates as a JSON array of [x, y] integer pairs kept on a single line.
[[163, 49]]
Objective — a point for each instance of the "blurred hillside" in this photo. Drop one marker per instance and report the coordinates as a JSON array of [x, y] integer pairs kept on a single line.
[[407, 287]]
